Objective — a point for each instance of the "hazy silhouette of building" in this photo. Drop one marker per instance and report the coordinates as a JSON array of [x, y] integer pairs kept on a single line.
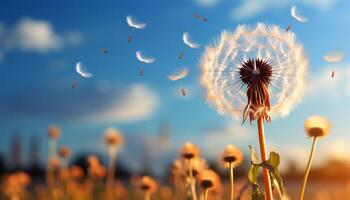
[[16, 151], [34, 153], [164, 137]]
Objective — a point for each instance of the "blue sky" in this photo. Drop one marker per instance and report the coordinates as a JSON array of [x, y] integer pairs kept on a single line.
[[40, 42]]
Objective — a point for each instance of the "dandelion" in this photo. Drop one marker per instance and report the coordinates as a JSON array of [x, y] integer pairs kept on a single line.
[[178, 76], [190, 151], [95, 169], [113, 139], [256, 72], [315, 126], [76, 172], [54, 133], [65, 153], [148, 186], [208, 180], [230, 158]]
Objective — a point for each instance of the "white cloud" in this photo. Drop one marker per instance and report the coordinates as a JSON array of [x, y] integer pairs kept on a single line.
[[207, 3], [326, 150], [232, 133], [30, 34], [73, 37], [250, 8], [322, 81], [137, 103], [36, 35]]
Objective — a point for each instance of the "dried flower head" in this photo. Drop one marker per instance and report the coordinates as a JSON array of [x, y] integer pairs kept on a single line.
[[113, 137], [189, 151], [254, 72], [76, 172], [208, 179], [23, 179], [54, 162], [54, 132], [317, 126], [198, 165], [93, 160], [231, 155], [64, 152], [95, 168], [148, 184]]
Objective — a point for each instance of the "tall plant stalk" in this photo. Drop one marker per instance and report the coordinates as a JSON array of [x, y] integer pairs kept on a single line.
[[306, 175], [266, 175], [231, 182]]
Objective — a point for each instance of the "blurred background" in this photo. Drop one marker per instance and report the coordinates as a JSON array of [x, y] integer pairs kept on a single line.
[[41, 41]]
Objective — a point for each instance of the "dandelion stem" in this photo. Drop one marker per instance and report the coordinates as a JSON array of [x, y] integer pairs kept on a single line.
[[231, 181], [266, 175], [111, 167], [147, 195], [205, 193], [308, 168], [192, 181]]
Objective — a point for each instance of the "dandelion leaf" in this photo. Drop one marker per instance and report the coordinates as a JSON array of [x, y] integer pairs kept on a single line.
[[257, 194], [276, 178], [253, 156], [253, 174]]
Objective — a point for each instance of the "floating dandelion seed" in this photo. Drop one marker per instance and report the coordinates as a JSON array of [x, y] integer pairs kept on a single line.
[[200, 17], [187, 40], [288, 28], [315, 127], [129, 39], [104, 50], [256, 72], [143, 59], [178, 76], [74, 84], [181, 56], [79, 69], [133, 23], [333, 57], [296, 16]]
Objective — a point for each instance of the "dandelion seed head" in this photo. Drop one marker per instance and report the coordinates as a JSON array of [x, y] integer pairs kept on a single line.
[[148, 184], [231, 155], [54, 162], [317, 126], [189, 151], [64, 151], [208, 179], [238, 60], [113, 137], [76, 172], [54, 132]]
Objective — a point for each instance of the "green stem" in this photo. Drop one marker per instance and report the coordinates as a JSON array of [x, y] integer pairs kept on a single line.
[[231, 181], [302, 191]]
